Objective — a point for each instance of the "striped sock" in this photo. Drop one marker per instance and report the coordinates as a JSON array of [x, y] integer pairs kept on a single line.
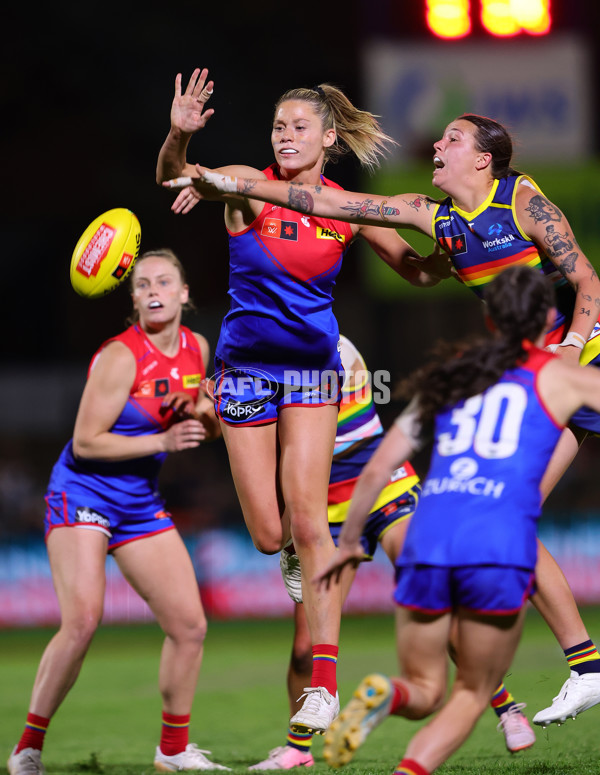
[[302, 741], [583, 658], [174, 734], [410, 767], [324, 666], [502, 700], [34, 732]]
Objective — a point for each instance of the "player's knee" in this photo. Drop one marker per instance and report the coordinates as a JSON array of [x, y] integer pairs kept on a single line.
[[197, 633], [307, 531], [81, 629], [191, 631], [268, 541]]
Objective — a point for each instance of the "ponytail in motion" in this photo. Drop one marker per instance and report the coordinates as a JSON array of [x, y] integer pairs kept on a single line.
[[357, 131]]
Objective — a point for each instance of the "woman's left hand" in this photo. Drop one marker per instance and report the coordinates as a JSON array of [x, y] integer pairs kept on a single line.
[[182, 404]]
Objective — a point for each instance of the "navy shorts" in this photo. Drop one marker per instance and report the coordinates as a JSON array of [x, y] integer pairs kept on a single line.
[[484, 589], [252, 397], [380, 521], [85, 510]]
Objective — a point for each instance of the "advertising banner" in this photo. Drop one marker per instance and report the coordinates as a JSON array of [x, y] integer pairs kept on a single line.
[[237, 582]]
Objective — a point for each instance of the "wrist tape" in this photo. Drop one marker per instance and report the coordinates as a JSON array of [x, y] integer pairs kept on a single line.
[[222, 183], [573, 338]]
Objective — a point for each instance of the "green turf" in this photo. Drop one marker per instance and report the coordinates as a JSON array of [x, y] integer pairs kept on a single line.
[[110, 722]]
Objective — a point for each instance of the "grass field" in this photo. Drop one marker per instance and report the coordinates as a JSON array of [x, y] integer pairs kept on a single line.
[[110, 722]]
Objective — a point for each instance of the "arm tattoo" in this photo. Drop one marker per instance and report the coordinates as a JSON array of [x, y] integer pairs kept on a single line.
[[248, 185], [540, 209], [368, 207], [567, 265], [419, 201], [300, 200], [558, 243]]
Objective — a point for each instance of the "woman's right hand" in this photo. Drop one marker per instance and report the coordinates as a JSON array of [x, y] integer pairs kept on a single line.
[[186, 200], [187, 111], [207, 184]]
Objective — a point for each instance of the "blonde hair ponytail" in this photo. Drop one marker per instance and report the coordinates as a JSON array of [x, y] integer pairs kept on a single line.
[[357, 131]]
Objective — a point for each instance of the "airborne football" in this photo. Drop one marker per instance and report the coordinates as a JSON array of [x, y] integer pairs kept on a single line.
[[105, 253]]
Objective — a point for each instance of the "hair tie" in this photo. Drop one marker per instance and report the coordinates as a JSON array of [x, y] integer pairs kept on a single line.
[[526, 344], [319, 91]]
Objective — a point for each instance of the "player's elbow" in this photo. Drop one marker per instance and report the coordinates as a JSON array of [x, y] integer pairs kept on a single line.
[[81, 447]]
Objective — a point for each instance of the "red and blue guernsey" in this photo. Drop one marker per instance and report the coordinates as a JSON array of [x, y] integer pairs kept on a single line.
[[103, 494], [481, 498], [282, 272]]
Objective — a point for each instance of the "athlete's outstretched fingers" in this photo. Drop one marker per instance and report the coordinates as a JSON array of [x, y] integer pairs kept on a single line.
[[189, 90]]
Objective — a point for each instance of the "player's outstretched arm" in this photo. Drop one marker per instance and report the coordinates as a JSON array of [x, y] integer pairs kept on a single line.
[[188, 115], [324, 201]]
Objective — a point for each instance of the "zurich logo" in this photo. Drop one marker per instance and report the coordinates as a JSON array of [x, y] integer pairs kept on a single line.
[[463, 468], [495, 229]]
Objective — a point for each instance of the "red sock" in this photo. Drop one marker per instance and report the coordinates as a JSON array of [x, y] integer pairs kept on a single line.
[[410, 767], [34, 732], [324, 666], [174, 735], [400, 698]]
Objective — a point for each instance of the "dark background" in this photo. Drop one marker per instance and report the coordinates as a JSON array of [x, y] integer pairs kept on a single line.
[[87, 94], [87, 89]]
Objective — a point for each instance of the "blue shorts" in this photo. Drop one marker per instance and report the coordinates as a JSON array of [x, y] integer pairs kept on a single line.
[[252, 397], [484, 589], [380, 521], [85, 510]]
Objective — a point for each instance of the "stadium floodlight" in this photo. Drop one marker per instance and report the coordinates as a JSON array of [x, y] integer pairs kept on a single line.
[[510, 17], [449, 18]]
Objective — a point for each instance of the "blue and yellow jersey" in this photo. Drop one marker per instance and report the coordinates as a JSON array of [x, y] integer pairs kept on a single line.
[[489, 239], [486, 241]]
